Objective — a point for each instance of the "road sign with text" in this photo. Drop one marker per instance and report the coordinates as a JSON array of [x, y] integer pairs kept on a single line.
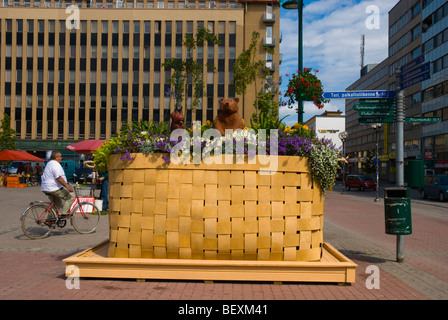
[[419, 60], [373, 107], [377, 120], [375, 113], [358, 94], [417, 79], [423, 119], [388, 101]]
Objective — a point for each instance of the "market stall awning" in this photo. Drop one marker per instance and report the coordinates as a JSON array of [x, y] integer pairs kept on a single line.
[[85, 147], [13, 155]]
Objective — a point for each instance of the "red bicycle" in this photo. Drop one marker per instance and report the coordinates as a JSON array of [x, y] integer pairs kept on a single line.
[[41, 218]]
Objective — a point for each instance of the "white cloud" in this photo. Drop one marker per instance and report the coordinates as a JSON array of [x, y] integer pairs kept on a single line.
[[331, 43]]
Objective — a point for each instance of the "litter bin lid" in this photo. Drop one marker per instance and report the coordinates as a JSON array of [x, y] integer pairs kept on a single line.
[[396, 192]]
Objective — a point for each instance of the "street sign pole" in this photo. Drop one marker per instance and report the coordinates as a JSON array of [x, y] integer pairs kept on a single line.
[[399, 155]]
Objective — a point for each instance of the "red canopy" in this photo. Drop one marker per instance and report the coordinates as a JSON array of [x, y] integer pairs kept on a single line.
[[85, 146], [13, 155]]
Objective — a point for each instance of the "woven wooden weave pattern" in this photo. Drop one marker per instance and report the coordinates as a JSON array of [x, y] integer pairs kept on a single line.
[[212, 212]]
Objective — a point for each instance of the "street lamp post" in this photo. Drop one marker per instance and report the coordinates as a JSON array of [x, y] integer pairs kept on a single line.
[[298, 4], [343, 136], [376, 126]]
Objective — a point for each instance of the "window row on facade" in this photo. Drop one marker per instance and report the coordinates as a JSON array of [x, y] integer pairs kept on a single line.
[[122, 4], [102, 26]]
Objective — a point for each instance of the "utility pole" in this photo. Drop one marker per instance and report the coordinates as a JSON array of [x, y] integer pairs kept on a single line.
[[399, 155], [376, 127]]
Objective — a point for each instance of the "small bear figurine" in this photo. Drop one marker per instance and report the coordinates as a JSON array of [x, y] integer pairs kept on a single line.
[[228, 116], [177, 120]]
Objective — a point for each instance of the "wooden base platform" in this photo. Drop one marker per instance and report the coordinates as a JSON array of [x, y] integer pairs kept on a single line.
[[94, 263]]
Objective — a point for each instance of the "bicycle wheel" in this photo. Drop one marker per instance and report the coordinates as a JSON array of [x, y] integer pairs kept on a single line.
[[85, 217], [38, 221]]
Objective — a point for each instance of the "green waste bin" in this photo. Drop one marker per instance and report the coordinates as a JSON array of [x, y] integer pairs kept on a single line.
[[397, 210], [414, 173]]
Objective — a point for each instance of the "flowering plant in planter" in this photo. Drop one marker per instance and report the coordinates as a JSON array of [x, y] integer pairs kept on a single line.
[[305, 86], [321, 154]]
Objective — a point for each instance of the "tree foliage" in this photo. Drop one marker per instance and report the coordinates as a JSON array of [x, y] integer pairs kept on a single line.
[[246, 68], [7, 135], [189, 71]]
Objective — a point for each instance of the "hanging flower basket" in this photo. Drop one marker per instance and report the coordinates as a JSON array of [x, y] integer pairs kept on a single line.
[[305, 86]]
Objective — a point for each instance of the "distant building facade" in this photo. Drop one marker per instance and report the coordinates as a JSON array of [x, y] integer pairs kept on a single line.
[[65, 79], [328, 125], [416, 29]]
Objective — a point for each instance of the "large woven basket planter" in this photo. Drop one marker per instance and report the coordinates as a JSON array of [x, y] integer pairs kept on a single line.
[[219, 211]]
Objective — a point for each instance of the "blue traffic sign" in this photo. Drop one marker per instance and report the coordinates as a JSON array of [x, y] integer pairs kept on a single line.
[[417, 79], [358, 94], [414, 72], [420, 59]]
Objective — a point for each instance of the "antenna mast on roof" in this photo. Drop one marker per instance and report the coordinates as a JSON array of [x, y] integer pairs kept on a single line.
[[363, 38]]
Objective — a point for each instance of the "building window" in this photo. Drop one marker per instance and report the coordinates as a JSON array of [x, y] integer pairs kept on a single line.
[[29, 51], [146, 52], [157, 25], [18, 75], [40, 26], [103, 76], [83, 51], [7, 75], [190, 27], [72, 51], [136, 26], [114, 77], [40, 76], [83, 26], [93, 51], [19, 26], [104, 26], [30, 25], [125, 52], [94, 26], [51, 51], [114, 26], [156, 75], [8, 25], [8, 50], [147, 26], [82, 77], [62, 50], [92, 76], [416, 9], [416, 32], [103, 51]]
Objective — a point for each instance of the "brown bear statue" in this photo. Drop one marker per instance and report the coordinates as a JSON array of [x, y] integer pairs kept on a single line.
[[228, 116], [177, 120]]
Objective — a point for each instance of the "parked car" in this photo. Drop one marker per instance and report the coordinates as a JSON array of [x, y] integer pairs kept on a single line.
[[435, 187], [360, 181]]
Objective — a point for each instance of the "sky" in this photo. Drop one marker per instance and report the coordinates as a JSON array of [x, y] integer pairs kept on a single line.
[[332, 31]]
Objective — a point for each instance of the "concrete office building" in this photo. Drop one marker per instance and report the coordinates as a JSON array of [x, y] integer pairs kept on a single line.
[[435, 90], [362, 137], [61, 85], [416, 28]]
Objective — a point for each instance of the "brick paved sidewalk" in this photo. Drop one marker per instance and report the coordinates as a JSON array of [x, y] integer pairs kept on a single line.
[[353, 225]]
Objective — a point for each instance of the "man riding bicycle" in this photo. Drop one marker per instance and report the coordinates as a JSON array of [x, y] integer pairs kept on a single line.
[[54, 183]]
